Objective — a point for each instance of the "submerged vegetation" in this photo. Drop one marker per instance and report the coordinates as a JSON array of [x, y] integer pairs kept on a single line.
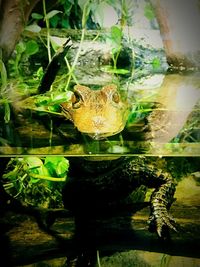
[[36, 181]]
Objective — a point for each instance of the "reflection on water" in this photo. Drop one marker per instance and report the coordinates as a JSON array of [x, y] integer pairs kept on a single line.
[[163, 120]]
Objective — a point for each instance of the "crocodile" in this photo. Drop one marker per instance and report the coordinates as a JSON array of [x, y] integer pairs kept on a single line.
[[97, 113], [99, 184]]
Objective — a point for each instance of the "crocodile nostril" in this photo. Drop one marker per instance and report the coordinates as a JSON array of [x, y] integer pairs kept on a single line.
[[98, 121]]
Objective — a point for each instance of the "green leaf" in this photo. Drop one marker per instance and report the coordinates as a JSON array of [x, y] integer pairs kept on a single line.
[[3, 73], [62, 167], [40, 73], [116, 49], [7, 112], [57, 165], [116, 35], [103, 14], [82, 3], [32, 47], [149, 12], [60, 98], [36, 16], [43, 170], [156, 63], [65, 23], [54, 108], [52, 13], [20, 47], [33, 161], [42, 101], [54, 21], [52, 159], [86, 12], [39, 170], [57, 42], [54, 99], [110, 69], [33, 28]]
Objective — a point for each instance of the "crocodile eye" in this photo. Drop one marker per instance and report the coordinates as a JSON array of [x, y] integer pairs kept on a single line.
[[76, 99], [115, 97]]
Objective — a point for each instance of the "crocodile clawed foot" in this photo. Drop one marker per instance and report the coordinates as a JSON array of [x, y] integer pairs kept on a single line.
[[161, 225]]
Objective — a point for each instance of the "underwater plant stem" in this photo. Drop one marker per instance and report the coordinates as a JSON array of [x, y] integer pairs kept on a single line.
[[51, 133], [115, 58], [84, 19], [53, 179], [48, 30], [71, 72], [98, 259], [76, 59]]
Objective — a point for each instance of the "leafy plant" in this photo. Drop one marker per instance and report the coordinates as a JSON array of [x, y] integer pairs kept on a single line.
[[51, 103], [95, 9], [139, 111], [23, 51], [36, 28], [62, 19], [83, 11], [114, 39], [3, 99], [86, 7], [116, 42], [37, 181]]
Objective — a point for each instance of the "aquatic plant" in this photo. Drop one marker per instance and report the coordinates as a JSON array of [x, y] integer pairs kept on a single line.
[[36, 181]]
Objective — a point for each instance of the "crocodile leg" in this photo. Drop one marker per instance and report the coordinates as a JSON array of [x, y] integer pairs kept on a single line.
[[162, 197], [161, 200]]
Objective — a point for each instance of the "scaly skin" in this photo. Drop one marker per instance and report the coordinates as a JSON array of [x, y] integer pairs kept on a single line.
[[101, 187], [161, 198]]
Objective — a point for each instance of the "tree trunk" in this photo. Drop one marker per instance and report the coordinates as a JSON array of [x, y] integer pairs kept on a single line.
[[179, 27], [14, 16]]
